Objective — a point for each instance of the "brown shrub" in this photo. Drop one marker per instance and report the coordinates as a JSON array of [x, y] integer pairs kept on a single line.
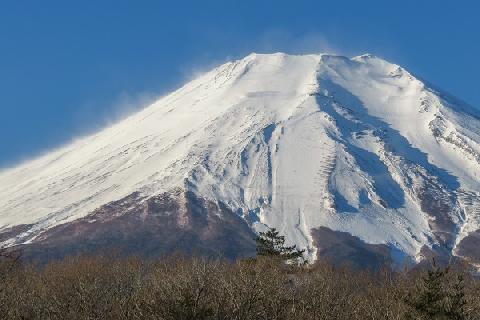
[[106, 287]]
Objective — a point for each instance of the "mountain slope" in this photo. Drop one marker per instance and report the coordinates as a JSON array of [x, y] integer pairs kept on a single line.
[[301, 143]]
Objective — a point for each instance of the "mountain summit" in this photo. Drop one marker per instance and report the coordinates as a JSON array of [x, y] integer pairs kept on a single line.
[[353, 159]]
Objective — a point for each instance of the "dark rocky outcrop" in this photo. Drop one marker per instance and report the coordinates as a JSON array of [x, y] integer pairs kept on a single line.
[[342, 248], [469, 247], [157, 226]]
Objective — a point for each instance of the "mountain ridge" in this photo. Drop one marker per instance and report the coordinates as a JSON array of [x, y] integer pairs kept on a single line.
[[358, 146]]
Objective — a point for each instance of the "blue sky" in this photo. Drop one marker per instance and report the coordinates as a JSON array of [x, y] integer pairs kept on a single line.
[[68, 68]]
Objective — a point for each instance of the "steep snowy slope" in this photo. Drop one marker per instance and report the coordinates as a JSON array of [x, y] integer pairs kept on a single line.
[[308, 144]]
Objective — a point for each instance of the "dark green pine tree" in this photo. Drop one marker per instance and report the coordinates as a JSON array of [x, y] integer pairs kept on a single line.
[[436, 299], [455, 304], [271, 244]]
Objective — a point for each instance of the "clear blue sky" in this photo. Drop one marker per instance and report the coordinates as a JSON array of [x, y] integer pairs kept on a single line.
[[67, 68]]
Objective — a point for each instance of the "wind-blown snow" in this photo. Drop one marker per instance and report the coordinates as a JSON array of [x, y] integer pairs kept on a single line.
[[293, 142]]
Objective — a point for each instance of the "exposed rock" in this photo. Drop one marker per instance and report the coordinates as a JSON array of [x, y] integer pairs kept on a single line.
[[157, 226], [343, 248], [469, 248]]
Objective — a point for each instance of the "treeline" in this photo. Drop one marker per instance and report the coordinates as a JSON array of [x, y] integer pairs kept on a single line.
[[178, 287]]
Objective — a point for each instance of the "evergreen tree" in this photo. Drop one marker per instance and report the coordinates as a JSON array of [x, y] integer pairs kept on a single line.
[[271, 244], [455, 304], [435, 298]]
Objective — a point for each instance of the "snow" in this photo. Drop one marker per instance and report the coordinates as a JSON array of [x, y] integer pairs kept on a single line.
[[292, 142]]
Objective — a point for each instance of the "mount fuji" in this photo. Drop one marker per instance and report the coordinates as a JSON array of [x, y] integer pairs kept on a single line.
[[353, 159]]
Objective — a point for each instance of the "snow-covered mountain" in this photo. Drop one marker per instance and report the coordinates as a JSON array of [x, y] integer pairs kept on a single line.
[[352, 158]]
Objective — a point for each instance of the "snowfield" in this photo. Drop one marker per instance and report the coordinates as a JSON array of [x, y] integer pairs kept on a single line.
[[294, 142]]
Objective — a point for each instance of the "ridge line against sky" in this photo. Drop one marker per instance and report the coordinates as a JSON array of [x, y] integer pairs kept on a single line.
[[70, 69]]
